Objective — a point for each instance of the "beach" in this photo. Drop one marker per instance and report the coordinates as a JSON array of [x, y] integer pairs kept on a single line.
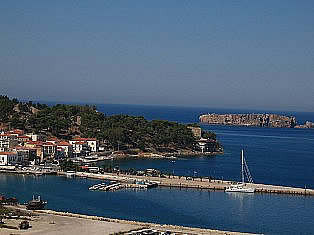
[[51, 222]]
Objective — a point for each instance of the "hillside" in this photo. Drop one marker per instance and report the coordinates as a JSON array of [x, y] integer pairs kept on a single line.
[[119, 131]]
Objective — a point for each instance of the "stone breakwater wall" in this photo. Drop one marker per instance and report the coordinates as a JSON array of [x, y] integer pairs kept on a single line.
[[262, 120]]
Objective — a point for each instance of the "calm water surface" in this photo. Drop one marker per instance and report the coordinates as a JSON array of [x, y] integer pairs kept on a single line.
[[258, 213], [274, 156]]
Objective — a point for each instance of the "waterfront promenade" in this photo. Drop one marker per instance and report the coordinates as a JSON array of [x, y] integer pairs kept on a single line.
[[196, 183]]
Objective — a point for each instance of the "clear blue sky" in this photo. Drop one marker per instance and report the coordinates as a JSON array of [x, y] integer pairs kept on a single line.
[[229, 54]]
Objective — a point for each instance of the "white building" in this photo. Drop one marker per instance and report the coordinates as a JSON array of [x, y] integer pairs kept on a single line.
[[7, 141], [80, 148], [91, 142], [67, 147], [10, 158], [36, 137]]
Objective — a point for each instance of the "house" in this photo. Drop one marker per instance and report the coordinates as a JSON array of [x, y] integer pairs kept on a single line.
[[91, 142], [15, 132], [7, 141], [53, 140], [67, 147], [23, 138], [80, 148], [197, 131], [206, 145], [36, 137], [49, 149], [37, 146], [28, 154], [10, 158]]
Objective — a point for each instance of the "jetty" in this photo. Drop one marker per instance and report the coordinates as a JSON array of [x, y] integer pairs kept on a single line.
[[125, 183], [195, 183]]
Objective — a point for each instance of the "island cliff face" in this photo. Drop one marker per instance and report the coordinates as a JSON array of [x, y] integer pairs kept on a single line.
[[262, 120]]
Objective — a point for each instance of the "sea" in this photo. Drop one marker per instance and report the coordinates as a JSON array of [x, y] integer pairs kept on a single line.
[[279, 156]]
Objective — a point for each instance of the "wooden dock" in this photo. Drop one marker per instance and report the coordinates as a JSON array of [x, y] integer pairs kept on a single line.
[[197, 183]]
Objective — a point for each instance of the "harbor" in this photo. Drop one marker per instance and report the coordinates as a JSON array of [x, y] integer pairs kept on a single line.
[[195, 183], [190, 207]]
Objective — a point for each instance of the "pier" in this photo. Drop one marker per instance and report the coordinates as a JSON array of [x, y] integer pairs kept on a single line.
[[195, 183], [129, 183]]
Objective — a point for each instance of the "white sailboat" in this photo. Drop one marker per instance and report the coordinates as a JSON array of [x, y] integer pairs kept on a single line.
[[242, 187]]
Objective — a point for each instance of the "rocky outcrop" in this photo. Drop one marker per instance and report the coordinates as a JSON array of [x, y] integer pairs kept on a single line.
[[262, 120], [306, 125]]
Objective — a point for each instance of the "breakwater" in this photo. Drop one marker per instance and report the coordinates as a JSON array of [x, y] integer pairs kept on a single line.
[[262, 120], [196, 183]]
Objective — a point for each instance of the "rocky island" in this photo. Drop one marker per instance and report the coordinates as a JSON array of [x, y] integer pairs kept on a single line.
[[262, 120]]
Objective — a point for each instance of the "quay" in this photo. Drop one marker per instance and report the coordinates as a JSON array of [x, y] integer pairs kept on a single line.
[[195, 183], [29, 172]]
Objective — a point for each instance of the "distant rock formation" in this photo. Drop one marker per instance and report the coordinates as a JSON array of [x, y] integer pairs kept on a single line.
[[262, 120], [306, 125]]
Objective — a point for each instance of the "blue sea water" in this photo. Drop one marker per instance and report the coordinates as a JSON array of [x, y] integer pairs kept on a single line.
[[187, 114], [280, 156], [257, 213], [275, 156]]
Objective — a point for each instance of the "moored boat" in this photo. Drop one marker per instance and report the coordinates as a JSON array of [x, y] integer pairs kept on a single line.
[[36, 204], [242, 187]]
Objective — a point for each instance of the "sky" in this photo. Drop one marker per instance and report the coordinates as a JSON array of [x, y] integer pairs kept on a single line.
[[227, 54]]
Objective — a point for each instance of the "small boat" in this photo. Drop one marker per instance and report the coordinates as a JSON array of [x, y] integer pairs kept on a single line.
[[242, 187], [36, 204], [70, 174]]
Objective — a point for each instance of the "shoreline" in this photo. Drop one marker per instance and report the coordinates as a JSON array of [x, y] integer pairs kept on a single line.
[[165, 155], [49, 221]]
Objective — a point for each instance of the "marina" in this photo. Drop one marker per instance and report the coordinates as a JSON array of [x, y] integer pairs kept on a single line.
[[197, 183], [192, 207]]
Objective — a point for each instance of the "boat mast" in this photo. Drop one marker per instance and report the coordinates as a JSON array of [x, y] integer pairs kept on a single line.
[[242, 166]]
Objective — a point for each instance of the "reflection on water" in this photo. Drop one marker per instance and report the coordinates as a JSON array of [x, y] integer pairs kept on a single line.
[[244, 200]]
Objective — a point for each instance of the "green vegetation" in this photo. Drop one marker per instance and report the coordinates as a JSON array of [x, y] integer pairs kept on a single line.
[[68, 165], [208, 135], [119, 131]]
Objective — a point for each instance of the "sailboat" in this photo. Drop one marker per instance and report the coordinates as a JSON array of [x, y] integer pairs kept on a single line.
[[241, 187]]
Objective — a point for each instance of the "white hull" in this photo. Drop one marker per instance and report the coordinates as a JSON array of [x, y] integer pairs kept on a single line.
[[239, 189]]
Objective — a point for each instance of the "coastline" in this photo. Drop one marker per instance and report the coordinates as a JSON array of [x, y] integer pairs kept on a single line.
[[166, 155], [55, 222]]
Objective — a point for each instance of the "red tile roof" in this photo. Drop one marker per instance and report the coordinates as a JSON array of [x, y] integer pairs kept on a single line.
[[64, 143], [16, 131], [48, 143], [35, 142], [84, 139], [7, 153], [24, 137]]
